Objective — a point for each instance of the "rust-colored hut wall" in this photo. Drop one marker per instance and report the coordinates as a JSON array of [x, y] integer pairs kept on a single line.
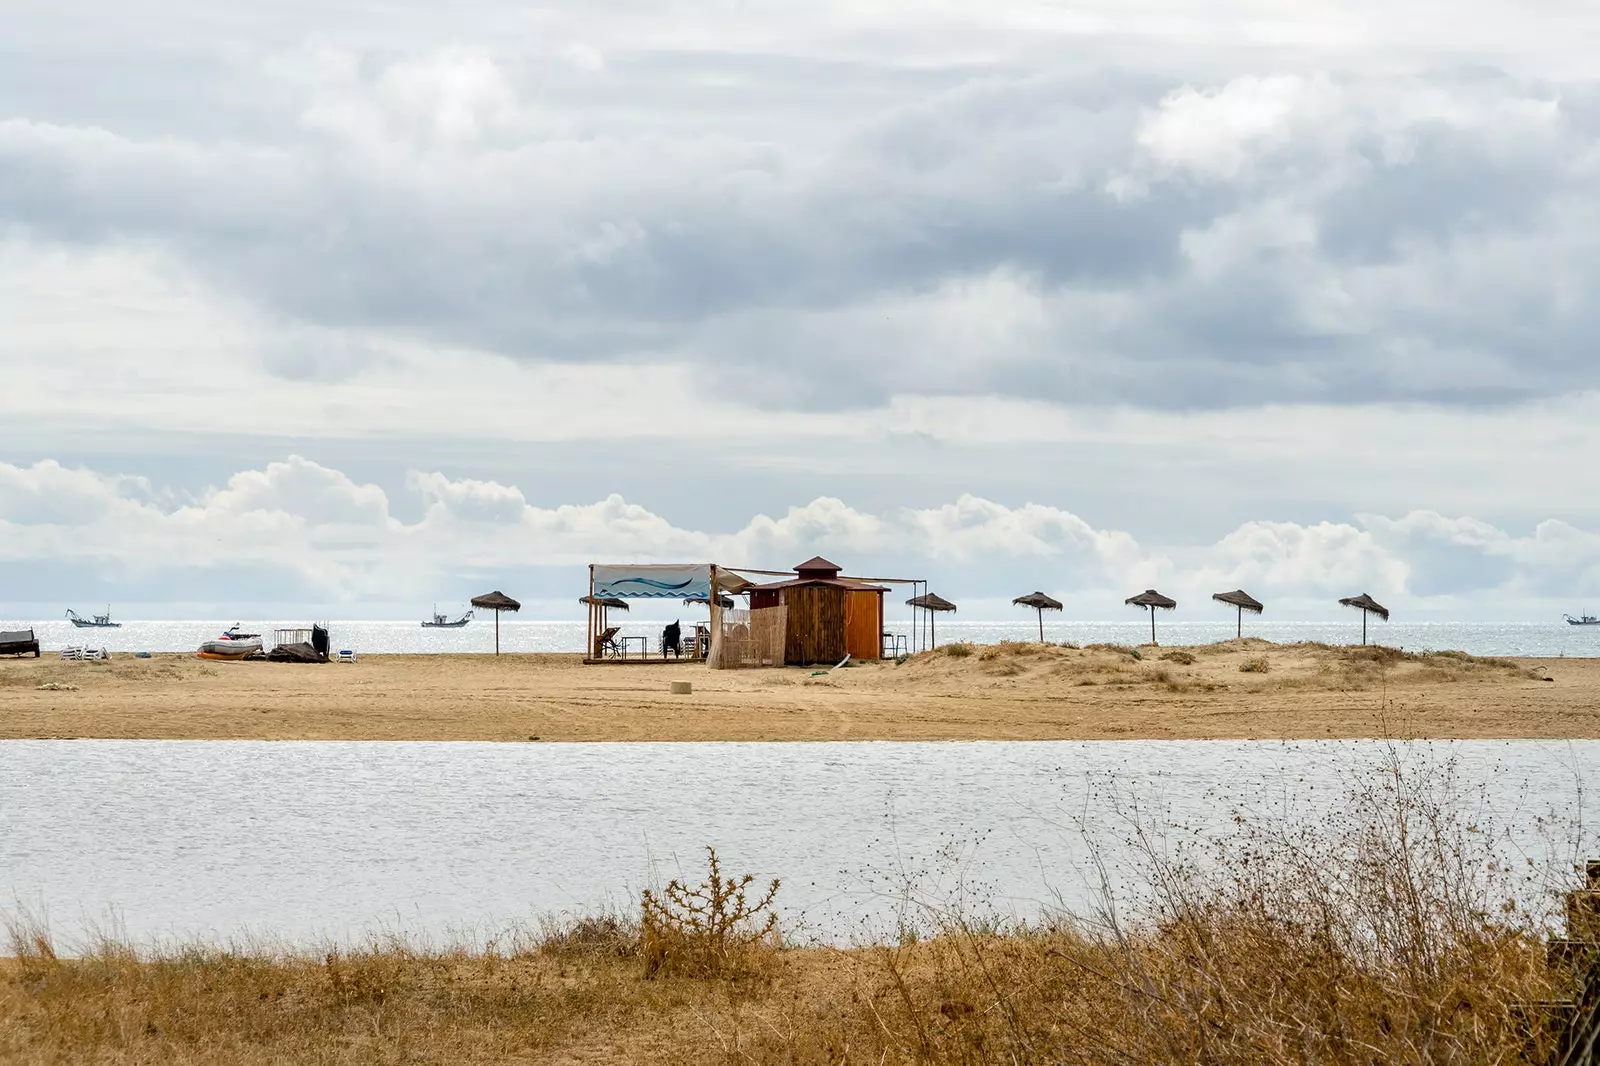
[[815, 626], [863, 624], [768, 598]]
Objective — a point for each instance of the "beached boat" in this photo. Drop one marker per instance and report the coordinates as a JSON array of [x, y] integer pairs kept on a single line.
[[232, 633], [99, 621], [444, 622], [1583, 620], [228, 649]]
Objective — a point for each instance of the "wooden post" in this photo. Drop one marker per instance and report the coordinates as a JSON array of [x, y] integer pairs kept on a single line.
[[1363, 627], [1040, 612], [1238, 628], [1152, 623], [497, 632], [716, 610], [589, 648]]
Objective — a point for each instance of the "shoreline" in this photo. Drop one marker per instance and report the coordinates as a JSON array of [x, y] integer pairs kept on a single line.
[[1236, 690]]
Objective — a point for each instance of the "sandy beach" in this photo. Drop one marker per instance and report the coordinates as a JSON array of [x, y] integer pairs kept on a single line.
[[1238, 689]]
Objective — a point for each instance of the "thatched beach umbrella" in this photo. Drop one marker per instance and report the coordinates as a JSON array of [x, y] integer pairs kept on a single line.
[[1041, 603], [933, 603], [1244, 602], [1152, 599], [496, 601], [1366, 605], [605, 603]]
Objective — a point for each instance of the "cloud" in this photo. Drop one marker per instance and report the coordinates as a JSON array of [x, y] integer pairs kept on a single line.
[[327, 535], [1321, 237]]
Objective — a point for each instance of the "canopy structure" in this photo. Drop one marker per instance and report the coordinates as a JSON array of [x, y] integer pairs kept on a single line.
[[933, 603], [614, 584], [726, 602], [1241, 600], [1154, 601], [1366, 605], [496, 601], [1040, 603]]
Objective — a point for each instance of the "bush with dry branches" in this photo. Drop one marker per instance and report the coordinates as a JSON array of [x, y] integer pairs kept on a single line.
[[713, 929]]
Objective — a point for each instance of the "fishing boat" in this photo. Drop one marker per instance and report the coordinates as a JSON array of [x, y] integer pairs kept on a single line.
[[99, 621], [444, 622], [1582, 620], [228, 649]]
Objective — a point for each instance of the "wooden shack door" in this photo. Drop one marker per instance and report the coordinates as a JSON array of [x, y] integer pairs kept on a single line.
[[863, 625]]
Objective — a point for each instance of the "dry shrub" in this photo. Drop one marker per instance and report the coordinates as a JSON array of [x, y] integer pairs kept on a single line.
[[1179, 656], [959, 650], [1387, 934], [711, 930], [1256, 664]]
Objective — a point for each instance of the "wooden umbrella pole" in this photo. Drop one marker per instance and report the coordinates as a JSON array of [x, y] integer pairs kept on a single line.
[[497, 633], [1152, 624], [1041, 624], [1238, 628], [1363, 627]]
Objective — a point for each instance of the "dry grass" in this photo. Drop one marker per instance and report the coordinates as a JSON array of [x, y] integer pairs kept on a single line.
[[1387, 935]]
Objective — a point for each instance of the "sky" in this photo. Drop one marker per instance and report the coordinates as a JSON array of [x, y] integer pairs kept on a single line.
[[365, 306]]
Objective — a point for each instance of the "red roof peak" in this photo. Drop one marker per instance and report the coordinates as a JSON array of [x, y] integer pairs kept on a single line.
[[817, 565]]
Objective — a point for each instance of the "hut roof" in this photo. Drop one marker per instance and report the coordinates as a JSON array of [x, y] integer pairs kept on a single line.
[[1038, 601], [1152, 598], [1364, 602], [931, 602], [496, 601], [603, 601], [806, 579], [1240, 598], [818, 565]]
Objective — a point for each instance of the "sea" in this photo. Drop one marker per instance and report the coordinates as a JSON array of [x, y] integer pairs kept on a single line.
[[307, 844], [565, 635]]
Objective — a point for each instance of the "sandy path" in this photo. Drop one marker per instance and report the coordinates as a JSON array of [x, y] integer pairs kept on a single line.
[[1008, 692]]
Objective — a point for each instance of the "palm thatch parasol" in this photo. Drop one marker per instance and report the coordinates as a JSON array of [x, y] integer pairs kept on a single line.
[[496, 601], [933, 603], [1244, 602], [605, 603], [1041, 603], [1152, 599], [1366, 605]]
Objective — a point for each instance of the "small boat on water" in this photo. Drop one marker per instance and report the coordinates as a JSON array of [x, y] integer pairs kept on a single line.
[[444, 622], [99, 621], [229, 649], [1582, 620]]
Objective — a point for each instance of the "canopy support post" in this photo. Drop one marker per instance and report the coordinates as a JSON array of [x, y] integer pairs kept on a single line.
[[589, 648]]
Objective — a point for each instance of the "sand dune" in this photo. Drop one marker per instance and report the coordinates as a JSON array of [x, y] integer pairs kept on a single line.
[[1237, 689]]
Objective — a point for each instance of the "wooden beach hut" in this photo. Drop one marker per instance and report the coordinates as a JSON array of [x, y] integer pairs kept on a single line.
[[829, 617], [1242, 601], [1153, 600], [1040, 603], [1366, 605]]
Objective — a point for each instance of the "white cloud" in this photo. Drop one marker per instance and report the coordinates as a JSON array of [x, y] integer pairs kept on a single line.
[[340, 537]]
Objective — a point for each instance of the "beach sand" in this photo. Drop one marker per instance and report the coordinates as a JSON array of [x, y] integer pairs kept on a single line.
[[1004, 692]]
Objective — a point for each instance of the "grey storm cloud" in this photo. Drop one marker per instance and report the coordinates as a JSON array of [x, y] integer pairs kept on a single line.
[[827, 234]]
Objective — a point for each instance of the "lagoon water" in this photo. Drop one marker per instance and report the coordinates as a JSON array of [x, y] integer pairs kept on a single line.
[[517, 635], [306, 842]]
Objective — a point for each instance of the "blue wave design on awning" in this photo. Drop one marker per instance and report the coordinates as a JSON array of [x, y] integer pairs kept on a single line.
[[660, 589]]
